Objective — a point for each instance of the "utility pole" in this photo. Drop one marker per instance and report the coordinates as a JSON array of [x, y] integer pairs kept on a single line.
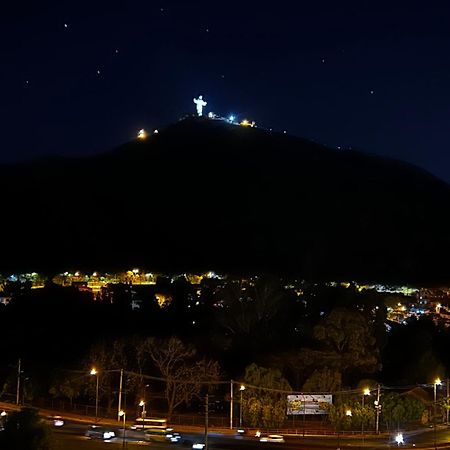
[[18, 382], [378, 407], [446, 410], [231, 405], [120, 395], [96, 401], [206, 420]]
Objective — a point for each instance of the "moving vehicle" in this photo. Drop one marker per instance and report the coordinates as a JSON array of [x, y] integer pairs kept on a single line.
[[172, 436], [97, 432], [277, 438], [158, 435], [56, 421], [148, 423]]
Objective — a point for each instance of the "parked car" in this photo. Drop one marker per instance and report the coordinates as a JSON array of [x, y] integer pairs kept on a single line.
[[102, 433]]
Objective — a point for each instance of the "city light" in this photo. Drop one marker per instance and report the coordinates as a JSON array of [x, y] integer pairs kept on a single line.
[[437, 381], [93, 371], [348, 413], [242, 388], [399, 438], [366, 391], [231, 118], [141, 403], [142, 134]]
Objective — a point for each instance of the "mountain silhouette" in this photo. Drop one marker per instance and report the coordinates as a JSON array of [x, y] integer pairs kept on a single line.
[[205, 194]]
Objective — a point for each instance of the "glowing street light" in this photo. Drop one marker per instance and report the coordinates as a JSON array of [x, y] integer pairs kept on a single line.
[[437, 382], [241, 389], [366, 391], [231, 118], [348, 413], [123, 415], [143, 413], [94, 372]]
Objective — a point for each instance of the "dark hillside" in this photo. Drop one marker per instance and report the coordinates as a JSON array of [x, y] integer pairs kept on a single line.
[[204, 194]]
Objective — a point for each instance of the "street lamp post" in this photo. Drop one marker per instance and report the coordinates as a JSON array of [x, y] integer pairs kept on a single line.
[[94, 371], [123, 415], [231, 404], [366, 391], [143, 413], [437, 382], [378, 410], [447, 405], [241, 389]]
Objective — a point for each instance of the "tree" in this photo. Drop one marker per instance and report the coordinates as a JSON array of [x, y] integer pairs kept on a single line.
[[399, 409], [347, 341], [323, 380], [184, 374], [250, 311], [24, 430], [263, 403], [359, 417], [108, 359]]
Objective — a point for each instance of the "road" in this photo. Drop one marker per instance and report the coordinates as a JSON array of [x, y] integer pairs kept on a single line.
[[71, 437]]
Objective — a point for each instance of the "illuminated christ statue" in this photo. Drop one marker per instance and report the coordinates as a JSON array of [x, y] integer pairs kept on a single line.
[[200, 104]]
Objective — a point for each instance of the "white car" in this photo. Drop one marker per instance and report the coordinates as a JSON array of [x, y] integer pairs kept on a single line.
[[277, 438], [57, 421], [96, 432], [173, 437]]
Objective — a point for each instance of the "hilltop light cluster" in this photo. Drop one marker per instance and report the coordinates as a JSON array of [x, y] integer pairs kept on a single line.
[[200, 103], [143, 134]]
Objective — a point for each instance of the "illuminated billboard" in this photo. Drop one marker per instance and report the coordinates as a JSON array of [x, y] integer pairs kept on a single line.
[[306, 404]]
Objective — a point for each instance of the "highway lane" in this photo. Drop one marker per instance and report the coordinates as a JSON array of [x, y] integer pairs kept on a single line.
[[72, 436]]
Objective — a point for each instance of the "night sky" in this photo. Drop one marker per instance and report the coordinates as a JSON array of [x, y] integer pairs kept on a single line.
[[81, 77]]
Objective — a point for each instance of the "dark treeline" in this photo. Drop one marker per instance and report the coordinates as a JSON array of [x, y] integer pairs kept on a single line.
[[323, 330]]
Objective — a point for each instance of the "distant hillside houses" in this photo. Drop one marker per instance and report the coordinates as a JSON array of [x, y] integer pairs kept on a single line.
[[402, 303]]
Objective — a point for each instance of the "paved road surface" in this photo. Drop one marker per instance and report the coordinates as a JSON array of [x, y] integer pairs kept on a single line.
[[71, 437]]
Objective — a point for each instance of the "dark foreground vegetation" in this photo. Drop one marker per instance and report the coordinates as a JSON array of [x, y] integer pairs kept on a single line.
[[322, 339]]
